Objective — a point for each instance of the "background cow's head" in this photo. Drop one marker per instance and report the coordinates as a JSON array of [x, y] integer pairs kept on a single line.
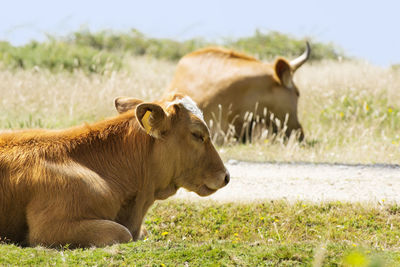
[[285, 92]]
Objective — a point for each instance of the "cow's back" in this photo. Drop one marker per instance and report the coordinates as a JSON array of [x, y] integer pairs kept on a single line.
[[222, 79], [206, 73], [21, 154], [44, 169]]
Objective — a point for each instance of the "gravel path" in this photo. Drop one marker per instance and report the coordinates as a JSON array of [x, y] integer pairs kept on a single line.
[[305, 181]]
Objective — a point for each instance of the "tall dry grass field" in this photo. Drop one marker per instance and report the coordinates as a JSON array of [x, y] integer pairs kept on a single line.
[[39, 98], [350, 111]]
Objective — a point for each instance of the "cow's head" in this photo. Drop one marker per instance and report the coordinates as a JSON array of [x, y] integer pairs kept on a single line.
[[285, 93], [182, 145]]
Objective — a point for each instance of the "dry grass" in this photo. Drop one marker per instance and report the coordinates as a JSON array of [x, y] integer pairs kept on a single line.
[[41, 99], [350, 111]]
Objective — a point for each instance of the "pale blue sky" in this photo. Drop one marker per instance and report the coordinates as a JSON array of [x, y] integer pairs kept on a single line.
[[366, 29]]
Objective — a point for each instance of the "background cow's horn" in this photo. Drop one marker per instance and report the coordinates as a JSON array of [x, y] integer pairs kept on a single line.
[[296, 63]]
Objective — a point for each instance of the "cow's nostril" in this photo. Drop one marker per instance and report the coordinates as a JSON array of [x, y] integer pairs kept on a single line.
[[227, 178]]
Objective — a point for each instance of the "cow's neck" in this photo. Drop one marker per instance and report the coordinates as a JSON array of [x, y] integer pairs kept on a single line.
[[117, 151], [127, 157], [163, 170]]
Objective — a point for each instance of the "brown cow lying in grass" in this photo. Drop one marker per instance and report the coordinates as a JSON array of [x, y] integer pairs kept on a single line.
[[93, 184]]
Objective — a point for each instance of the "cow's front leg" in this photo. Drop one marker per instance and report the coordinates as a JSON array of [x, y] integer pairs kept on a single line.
[[132, 213], [54, 226], [82, 233]]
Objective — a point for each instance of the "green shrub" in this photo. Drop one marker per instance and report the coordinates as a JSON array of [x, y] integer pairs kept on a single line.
[[57, 55], [136, 43], [273, 44], [263, 45], [395, 67], [97, 52]]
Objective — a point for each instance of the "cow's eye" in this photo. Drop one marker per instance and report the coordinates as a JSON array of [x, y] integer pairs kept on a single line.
[[199, 137]]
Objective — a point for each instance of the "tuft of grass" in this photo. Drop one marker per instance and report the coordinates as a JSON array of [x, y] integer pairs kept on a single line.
[[266, 233]]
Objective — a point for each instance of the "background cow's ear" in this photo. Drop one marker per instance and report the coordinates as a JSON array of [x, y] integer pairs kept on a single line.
[[284, 72], [152, 119], [123, 104]]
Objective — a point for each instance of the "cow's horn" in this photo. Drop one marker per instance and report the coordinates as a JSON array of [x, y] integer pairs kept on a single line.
[[296, 63]]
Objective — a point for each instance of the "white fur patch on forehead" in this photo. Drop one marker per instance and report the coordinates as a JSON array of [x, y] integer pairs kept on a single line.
[[190, 105]]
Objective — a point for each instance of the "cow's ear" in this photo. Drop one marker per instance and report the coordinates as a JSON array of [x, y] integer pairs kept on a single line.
[[284, 72], [124, 104], [152, 118]]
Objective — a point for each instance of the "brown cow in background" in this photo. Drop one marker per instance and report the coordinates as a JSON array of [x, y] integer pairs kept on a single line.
[[93, 184], [226, 85]]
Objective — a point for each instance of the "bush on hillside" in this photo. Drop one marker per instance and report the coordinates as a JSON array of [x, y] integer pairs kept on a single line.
[[56, 56], [270, 45], [262, 45], [97, 52]]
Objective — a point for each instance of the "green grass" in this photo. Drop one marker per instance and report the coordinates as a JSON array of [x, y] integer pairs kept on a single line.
[[266, 234]]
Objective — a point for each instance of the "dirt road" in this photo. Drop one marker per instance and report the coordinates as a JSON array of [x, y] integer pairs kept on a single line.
[[306, 181]]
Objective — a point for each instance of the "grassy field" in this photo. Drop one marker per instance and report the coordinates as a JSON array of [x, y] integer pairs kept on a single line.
[[350, 111], [262, 234]]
